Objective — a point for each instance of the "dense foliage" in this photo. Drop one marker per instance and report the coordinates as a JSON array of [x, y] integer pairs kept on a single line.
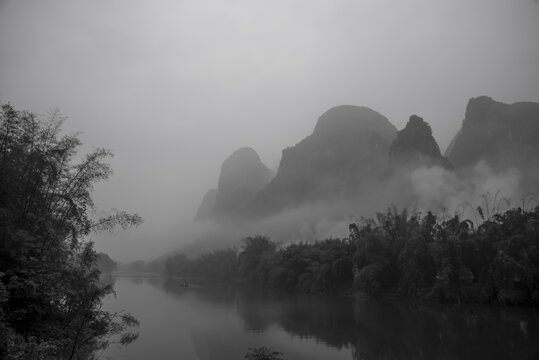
[[105, 264], [50, 295], [216, 264], [428, 257]]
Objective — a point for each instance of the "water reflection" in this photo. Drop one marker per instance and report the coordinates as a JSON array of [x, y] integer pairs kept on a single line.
[[367, 330]]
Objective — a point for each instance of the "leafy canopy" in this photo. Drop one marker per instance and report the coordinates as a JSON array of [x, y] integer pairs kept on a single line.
[[50, 295]]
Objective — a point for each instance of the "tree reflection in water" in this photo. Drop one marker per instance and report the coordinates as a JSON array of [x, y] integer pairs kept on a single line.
[[376, 330]]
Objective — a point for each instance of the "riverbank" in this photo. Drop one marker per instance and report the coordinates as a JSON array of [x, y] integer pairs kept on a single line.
[[426, 258]]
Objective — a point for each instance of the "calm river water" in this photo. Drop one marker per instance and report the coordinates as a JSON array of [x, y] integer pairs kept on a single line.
[[216, 321]]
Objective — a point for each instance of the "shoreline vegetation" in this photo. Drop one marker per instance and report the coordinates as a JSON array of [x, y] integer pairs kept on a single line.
[[50, 295], [423, 257]]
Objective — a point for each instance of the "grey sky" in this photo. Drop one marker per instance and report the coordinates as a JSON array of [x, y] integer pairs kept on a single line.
[[174, 87]]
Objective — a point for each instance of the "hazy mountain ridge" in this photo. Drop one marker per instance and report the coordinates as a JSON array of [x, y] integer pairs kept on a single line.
[[499, 133], [355, 149], [416, 146], [348, 147], [242, 175], [505, 136]]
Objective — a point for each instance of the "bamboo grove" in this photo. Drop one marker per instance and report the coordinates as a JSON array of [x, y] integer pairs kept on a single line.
[[50, 294]]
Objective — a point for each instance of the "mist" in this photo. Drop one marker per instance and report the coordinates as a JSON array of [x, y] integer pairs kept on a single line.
[[247, 179], [173, 87], [419, 190]]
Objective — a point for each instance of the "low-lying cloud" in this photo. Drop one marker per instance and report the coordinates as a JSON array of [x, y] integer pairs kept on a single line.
[[422, 189]]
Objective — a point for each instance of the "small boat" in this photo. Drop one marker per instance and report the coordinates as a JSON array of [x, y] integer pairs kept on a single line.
[[184, 284]]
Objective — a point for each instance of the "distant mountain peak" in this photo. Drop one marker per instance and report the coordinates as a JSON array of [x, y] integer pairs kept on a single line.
[[506, 136], [481, 110], [243, 154], [491, 129], [242, 175], [350, 117], [348, 147], [415, 143], [242, 169]]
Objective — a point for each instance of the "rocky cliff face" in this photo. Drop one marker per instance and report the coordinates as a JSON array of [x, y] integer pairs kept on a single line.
[[416, 146], [352, 149], [242, 175], [499, 133], [348, 148], [503, 135]]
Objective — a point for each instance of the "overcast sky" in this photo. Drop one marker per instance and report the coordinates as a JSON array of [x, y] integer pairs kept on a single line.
[[173, 87]]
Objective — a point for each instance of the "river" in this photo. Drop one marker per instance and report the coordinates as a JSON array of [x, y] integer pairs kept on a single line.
[[220, 321]]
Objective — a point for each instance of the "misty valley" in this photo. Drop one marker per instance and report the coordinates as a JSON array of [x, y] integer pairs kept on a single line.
[[269, 180], [449, 270]]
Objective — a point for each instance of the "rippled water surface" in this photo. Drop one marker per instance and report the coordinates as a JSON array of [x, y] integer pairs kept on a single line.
[[221, 321]]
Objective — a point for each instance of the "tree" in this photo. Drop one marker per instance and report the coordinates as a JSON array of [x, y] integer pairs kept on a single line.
[[105, 264], [254, 260], [51, 302]]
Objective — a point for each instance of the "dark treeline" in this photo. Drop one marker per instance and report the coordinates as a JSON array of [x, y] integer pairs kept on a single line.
[[50, 293], [426, 257], [373, 329], [221, 264]]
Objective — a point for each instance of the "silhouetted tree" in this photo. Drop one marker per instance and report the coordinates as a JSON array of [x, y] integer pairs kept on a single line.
[[255, 258], [412, 255], [50, 296]]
